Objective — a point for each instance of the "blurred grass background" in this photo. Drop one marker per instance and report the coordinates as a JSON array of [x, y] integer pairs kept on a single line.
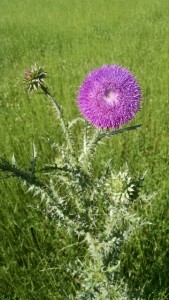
[[70, 38]]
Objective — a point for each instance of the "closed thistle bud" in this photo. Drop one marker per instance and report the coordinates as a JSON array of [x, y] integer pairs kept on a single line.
[[34, 78]]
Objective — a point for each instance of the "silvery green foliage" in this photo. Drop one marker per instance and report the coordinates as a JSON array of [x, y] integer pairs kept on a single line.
[[96, 211]]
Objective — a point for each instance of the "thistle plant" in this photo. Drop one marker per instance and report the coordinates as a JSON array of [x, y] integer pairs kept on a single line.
[[97, 211]]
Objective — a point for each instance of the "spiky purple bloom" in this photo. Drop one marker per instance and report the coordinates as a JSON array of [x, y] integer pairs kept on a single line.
[[109, 97]]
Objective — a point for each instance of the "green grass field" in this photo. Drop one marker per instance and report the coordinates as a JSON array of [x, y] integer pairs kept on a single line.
[[70, 38]]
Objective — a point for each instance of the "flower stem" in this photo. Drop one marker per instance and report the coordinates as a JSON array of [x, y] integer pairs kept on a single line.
[[89, 147], [59, 114]]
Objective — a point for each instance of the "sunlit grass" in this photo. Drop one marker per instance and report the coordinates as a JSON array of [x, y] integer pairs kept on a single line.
[[70, 38]]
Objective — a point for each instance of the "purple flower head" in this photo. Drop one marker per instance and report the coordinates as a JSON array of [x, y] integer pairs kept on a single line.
[[109, 97]]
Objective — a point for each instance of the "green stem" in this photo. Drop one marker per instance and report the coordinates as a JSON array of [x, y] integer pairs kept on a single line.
[[59, 114], [88, 148]]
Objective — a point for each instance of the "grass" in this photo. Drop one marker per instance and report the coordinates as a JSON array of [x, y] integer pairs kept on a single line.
[[70, 38]]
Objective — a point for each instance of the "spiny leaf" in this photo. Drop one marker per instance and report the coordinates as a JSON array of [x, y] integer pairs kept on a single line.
[[107, 134]]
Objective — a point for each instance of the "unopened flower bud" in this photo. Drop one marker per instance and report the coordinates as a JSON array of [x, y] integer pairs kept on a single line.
[[34, 78]]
